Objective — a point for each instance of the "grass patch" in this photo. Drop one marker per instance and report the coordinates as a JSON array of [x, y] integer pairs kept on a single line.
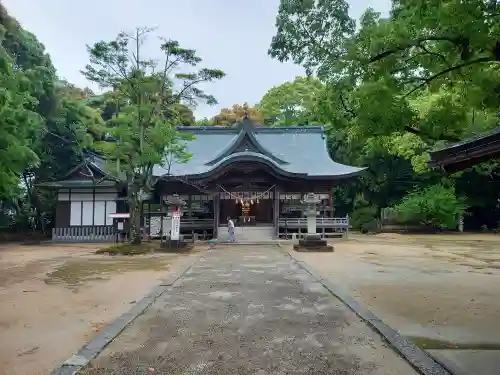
[[129, 249], [76, 272], [428, 343]]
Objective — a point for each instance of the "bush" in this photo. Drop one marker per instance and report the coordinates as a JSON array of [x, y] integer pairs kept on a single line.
[[436, 206], [364, 219]]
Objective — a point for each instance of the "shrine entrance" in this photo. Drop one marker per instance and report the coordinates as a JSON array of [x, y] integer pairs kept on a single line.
[[249, 208]]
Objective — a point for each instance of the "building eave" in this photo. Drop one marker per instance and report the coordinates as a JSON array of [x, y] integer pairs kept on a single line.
[[465, 154], [243, 157], [70, 184], [258, 158]]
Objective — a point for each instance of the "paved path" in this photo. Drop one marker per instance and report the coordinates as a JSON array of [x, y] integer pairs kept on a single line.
[[248, 311]]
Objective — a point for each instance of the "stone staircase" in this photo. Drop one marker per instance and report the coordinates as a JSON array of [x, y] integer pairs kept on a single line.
[[254, 234]]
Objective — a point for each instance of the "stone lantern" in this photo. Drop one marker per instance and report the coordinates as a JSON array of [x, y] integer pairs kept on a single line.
[[312, 240], [310, 201]]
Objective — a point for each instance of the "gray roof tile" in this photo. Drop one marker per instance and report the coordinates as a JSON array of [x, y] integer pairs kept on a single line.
[[303, 150]]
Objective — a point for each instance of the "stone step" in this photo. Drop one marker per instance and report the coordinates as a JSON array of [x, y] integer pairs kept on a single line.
[[247, 243], [248, 233]]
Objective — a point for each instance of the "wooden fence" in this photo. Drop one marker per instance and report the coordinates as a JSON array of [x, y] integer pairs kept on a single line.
[[103, 233]]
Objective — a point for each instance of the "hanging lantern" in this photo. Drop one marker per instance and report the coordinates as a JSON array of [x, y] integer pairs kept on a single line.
[[241, 201], [257, 201], [236, 201], [251, 201]]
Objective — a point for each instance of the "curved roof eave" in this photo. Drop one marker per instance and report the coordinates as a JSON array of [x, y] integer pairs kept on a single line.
[[354, 173], [248, 156]]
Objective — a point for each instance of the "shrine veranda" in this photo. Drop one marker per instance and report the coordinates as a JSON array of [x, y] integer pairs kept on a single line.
[[254, 174]]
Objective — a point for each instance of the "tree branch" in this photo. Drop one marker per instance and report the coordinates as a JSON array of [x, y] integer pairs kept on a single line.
[[178, 97], [449, 70], [348, 110], [412, 130], [414, 43], [438, 55]]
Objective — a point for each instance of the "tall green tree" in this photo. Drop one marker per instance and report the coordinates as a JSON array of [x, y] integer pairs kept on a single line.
[[27, 86], [311, 33], [292, 103], [403, 85], [379, 71], [147, 94], [19, 123]]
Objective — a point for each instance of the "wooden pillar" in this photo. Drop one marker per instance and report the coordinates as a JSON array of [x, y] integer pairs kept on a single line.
[[276, 213], [303, 191], [189, 213], [190, 202], [149, 219], [216, 212], [330, 194], [93, 207]]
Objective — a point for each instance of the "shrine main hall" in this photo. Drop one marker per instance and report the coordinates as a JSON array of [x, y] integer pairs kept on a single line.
[[255, 174]]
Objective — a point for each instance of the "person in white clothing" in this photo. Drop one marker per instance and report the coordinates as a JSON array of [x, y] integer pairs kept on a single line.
[[230, 229]]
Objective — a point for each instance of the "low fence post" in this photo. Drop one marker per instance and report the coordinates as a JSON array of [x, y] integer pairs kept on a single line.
[[347, 227]]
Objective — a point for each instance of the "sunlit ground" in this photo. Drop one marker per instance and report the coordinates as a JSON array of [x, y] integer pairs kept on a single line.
[[438, 290]]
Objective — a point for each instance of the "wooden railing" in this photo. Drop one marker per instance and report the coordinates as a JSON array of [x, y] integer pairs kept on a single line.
[[321, 222], [325, 226], [197, 223], [101, 233]]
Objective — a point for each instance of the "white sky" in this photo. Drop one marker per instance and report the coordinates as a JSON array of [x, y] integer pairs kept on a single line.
[[228, 34]]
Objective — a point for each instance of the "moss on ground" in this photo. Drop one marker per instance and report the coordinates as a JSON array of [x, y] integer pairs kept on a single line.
[[430, 343], [76, 272], [129, 249]]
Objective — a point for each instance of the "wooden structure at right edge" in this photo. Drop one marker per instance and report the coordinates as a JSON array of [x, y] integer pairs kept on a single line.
[[466, 154]]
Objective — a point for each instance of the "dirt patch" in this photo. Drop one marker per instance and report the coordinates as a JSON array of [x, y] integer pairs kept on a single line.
[[78, 272], [435, 289], [54, 298]]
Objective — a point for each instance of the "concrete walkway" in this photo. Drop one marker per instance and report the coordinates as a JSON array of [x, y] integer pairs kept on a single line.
[[248, 311]]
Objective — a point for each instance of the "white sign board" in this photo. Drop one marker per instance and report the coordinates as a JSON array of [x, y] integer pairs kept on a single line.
[[176, 224]]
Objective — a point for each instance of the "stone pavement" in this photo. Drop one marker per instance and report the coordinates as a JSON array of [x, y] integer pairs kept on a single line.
[[248, 310]]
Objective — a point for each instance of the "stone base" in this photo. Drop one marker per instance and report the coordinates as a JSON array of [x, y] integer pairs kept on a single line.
[[313, 242], [176, 246], [313, 249]]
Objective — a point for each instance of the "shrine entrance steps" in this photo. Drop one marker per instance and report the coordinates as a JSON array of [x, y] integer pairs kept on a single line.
[[248, 234]]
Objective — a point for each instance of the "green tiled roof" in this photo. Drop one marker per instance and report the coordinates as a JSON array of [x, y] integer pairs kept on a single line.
[[297, 151], [293, 151]]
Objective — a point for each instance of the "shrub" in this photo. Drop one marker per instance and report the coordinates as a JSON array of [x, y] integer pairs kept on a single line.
[[364, 219], [435, 206]]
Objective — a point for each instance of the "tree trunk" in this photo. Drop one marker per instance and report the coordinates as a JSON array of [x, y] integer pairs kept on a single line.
[[35, 203], [135, 220]]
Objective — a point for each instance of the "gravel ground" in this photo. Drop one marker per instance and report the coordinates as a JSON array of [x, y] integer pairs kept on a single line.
[[248, 311]]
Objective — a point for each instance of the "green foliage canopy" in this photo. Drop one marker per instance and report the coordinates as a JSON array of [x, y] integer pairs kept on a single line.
[[398, 87]]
